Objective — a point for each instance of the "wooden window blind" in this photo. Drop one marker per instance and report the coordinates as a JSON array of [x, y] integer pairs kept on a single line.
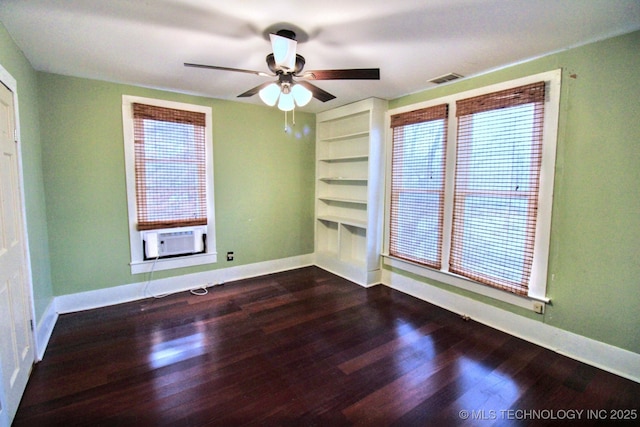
[[417, 184], [170, 167], [499, 153]]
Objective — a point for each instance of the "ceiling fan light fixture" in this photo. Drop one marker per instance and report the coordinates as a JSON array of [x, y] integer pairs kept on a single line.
[[285, 64], [269, 95], [301, 95]]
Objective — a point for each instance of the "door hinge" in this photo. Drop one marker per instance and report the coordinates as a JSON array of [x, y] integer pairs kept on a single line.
[[31, 323], [15, 135]]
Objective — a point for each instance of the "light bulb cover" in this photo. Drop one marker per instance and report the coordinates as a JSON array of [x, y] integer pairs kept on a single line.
[[284, 51], [286, 102], [270, 94], [301, 95]]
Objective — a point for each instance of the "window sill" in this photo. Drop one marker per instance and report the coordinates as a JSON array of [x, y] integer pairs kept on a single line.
[[138, 267], [527, 302]]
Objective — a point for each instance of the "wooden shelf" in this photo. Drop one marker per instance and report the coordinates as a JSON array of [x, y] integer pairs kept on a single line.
[[342, 178], [343, 220], [342, 200], [344, 159], [345, 137], [349, 186]]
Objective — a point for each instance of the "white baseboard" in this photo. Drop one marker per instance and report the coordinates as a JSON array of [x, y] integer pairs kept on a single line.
[[604, 356], [136, 291], [44, 329], [613, 359]]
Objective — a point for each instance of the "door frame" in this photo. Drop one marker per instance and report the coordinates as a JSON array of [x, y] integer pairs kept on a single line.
[[10, 82]]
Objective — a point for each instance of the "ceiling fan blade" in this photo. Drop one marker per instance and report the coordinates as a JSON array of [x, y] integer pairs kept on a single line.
[[319, 94], [254, 90], [237, 70], [347, 74]]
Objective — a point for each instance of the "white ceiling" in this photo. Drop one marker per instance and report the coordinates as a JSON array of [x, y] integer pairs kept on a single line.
[[146, 42]]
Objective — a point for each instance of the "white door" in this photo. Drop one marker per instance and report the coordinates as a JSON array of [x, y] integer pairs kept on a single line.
[[16, 349]]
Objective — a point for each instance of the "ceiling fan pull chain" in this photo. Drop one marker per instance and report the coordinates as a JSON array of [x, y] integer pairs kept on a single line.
[[285, 122]]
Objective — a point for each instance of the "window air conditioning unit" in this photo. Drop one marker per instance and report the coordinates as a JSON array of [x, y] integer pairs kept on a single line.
[[174, 242]]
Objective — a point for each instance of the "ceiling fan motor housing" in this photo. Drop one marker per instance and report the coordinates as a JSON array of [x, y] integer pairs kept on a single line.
[[286, 33], [271, 63], [285, 81]]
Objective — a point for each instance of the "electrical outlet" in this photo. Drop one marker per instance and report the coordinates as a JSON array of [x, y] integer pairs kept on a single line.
[[229, 256], [538, 307]]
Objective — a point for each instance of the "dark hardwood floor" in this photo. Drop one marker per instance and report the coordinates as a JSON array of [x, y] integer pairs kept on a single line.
[[307, 348]]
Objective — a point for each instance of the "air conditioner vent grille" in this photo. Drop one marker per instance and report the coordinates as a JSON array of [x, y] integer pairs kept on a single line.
[[174, 242], [446, 78]]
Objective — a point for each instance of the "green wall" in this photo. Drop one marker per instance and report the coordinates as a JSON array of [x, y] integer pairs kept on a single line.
[[12, 60], [594, 265], [263, 182]]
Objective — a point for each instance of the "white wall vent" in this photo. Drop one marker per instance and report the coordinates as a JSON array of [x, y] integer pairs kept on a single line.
[[174, 242]]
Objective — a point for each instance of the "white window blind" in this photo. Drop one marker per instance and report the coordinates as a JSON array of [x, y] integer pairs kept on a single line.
[[170, 167]]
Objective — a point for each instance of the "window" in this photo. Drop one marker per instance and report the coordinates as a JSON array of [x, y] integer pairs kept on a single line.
[[168, 153], [478, 210], [417, 185], [170, 167]]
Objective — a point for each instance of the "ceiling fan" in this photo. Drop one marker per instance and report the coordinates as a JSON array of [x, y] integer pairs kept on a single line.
[[292, 87]]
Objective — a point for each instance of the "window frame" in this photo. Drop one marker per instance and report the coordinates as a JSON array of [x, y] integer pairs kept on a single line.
[[138, 264], [538, 279]]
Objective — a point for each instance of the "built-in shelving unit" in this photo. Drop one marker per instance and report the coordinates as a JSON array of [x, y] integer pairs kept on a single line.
[[349, 190]]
